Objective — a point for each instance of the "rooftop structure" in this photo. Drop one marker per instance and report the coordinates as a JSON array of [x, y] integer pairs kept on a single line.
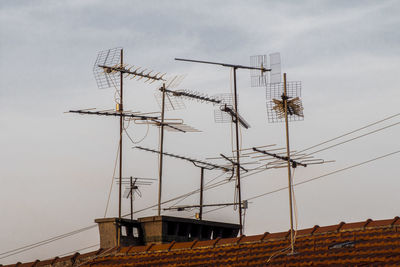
[[369, 242]]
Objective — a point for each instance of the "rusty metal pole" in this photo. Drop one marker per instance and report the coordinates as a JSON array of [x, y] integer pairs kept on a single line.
[[161, 150], [121, 127], [237, 153], [201, 194], [284, 98]]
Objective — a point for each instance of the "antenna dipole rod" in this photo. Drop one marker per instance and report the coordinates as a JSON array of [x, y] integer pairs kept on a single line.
[[161, 150], [284, 98]]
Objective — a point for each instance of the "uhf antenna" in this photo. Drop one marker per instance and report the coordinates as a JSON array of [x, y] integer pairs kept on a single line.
[[172, 100], [109, 71], [203, 165], [132, 186], [262, 69], [283, 103], [262, 79]]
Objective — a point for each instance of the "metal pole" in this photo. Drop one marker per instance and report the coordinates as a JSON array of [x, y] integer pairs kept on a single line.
[[161, 150], [201, 194], [288, 163], [131, 191], [237, 152], [121, 126]]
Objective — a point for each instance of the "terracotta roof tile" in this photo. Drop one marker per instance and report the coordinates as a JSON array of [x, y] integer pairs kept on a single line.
[[355, 225], [206, 243], [364, 243], [183, 245], [28, 264], [137, 249], [160, 247], [308, 231], [277, 236], [68, 258], [329, 229], [253, 238], [229, 241], [46, 262], [396, 221], [123, 250], [88, 254]]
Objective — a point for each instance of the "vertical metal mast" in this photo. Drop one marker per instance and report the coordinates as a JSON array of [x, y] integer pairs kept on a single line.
[[131, 189], [237, 152], [234, 67], [161, 149], [285, 98], [201, 193], [121, 127]]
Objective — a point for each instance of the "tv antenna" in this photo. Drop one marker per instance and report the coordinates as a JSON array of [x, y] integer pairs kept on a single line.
[[235, 113], [168, 103], [132, 186], [284, 104], [203, 165], [109, 71], [262, 79]]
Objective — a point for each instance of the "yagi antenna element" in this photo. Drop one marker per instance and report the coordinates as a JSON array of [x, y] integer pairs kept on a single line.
[[108, 68]]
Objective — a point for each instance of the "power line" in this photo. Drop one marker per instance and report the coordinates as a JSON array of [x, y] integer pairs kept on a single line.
[[44, 242], [316, 178], [217, 184], [351, 139], [258, 170], [351, 132], [77, 250]]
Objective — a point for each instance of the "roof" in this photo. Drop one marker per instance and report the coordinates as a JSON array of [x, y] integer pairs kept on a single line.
[[357, 243]]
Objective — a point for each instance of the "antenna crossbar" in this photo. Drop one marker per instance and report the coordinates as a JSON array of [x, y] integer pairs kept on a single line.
[[181, 208], [294, 163], [224, 64], [193, 95], [141, 74], [233, 162], [114, 113], [194, 161]]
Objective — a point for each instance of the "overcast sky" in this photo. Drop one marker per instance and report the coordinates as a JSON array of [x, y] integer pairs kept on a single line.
[[56, 168]]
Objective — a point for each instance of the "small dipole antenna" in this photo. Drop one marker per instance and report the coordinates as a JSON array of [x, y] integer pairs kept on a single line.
[[203, 165], [236, 112], [132, 187]]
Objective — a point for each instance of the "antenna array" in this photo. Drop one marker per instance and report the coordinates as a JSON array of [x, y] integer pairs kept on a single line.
[[203, 165], [260, 78]]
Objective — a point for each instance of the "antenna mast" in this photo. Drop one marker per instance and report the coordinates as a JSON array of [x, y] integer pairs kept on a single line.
[[109, 70], [120, 109], [234, 68]]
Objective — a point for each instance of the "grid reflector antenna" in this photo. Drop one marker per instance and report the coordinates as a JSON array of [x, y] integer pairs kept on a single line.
[[219, 115], [275, 103], [110, 57], [260, 78], [226, 112], [171, 101], [275, 66], [108, 68]]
